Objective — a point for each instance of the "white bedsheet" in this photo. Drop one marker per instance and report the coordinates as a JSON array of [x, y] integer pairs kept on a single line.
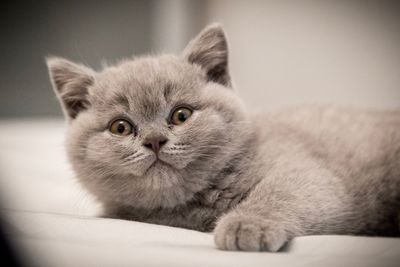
[[52, 222]]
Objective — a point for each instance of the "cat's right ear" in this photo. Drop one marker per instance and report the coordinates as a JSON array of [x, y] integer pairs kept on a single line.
[[70, 82]]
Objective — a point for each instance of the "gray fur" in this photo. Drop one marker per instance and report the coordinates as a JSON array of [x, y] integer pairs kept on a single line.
[[256, 180]]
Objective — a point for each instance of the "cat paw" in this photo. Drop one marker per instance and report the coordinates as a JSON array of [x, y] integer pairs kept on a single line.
[[249, 233]]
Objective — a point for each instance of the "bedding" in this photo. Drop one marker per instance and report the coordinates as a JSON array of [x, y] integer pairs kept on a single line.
[[51, 220]]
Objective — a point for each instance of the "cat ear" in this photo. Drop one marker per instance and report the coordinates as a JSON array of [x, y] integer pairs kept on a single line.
[[70, 82], [209, 50]]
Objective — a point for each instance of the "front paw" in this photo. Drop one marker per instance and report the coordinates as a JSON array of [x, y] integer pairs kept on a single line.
[[249, 233]]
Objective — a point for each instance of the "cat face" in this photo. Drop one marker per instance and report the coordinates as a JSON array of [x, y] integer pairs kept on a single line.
[[153, 131]]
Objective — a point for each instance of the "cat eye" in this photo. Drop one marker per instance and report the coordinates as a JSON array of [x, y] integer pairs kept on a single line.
[[180, 115], [121, 127]]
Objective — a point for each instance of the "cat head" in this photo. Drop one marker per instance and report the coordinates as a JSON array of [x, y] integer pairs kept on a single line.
[[153, 131]]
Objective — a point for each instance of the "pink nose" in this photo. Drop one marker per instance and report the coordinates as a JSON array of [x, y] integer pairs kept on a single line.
[[155, 142]]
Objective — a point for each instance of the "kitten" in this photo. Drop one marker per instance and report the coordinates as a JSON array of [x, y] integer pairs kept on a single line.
[[165, 140]]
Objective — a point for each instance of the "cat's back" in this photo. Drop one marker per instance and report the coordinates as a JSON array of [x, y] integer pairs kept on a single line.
[[348, 138]]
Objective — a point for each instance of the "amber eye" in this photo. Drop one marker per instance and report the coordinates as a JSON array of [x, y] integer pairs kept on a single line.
[[121, 127], [180, 115]]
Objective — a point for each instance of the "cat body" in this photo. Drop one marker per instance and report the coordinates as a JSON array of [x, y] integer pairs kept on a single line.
[[165, 140]]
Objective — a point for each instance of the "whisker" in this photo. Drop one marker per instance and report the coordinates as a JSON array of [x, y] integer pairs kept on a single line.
[[133, 156], [138, 159], [126, 156], [181, 144], [177, 148], [176, 152]]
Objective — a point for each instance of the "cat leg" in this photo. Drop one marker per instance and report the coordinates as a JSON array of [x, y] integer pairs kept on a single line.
[[296, 198]]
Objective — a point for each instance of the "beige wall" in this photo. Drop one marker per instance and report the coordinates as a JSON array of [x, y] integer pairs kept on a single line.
[[289, 52]]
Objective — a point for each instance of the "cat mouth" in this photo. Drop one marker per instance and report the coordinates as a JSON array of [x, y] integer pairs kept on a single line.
[[157, 163]]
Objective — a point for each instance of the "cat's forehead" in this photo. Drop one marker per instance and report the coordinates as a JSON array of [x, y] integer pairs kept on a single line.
[[148, 73], [148, 84]]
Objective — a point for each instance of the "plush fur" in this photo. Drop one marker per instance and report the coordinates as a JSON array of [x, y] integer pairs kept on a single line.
[[256, 180]]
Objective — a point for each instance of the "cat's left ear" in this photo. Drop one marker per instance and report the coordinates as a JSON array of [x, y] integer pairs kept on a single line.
[[209, 50]]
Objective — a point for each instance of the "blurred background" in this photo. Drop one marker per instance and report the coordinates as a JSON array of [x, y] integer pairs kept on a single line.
[[282, 52]]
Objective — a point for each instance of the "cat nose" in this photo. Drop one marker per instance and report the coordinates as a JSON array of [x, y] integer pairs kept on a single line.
[[155, 142]]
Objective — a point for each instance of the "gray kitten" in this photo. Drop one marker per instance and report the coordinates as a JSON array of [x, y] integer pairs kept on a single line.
[[166, 140]]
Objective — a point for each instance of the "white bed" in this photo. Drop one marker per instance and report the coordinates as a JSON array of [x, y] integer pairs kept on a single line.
[[51, 220]]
